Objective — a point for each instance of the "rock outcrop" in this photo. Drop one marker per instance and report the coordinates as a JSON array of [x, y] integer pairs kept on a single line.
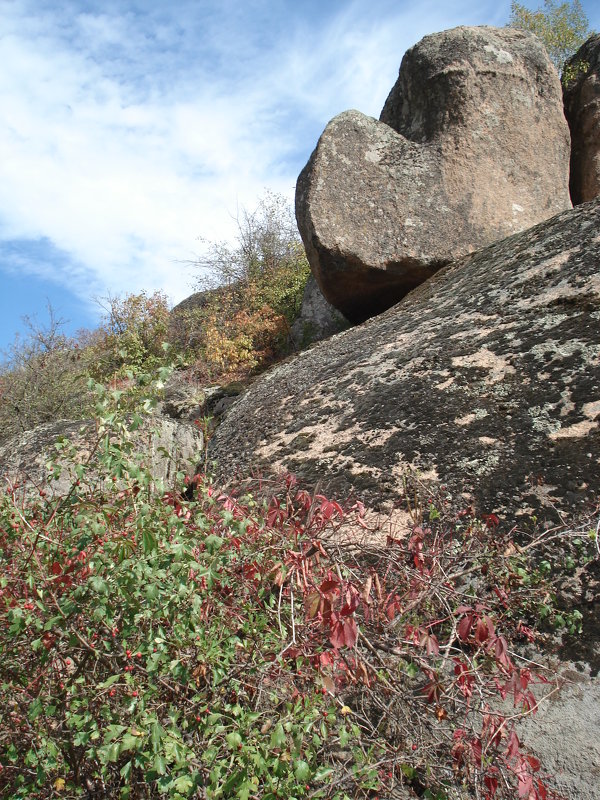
[[582, 109], [164, 447], [317, 319], [472, 146], [486, 379]]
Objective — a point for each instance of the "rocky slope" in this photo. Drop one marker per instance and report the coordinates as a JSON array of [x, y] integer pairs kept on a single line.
[[485, 379]]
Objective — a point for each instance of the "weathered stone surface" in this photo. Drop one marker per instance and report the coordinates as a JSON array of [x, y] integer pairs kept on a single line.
[[563, 735], [184, 398], [582, 109], [485, 379], [166, 447], [317, 320], [471, 147]]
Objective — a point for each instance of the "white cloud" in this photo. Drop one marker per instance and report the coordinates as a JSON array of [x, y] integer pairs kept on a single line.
[[127, 135]]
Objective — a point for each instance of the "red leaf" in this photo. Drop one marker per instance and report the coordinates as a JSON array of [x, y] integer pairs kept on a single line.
[[524, 784], [464, 628], [430, 642], [501, 652], [329, 508], [476, 751], [483, 630], [326, 659], [465, 679], [534, 763], [491, 784], [55, 568], [393, 608], [344, 632], [512, 749], [351, 603], [329, 585], [491, 520]]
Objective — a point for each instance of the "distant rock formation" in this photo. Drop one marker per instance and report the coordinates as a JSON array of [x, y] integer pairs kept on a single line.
[[582, 109], [317, 319], [485, 379], [471, 147]]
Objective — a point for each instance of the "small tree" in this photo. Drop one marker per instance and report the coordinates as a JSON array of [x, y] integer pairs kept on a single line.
[[267, 244], [43, 378], [131, 335], [244, 323], [562, 27]]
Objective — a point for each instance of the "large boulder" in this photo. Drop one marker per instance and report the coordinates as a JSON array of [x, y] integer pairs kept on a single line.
[[582, 109], [485, 379], [472, 146]]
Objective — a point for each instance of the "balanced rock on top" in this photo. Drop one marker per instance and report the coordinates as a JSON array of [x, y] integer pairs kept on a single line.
[[582, 109], [472, 146]]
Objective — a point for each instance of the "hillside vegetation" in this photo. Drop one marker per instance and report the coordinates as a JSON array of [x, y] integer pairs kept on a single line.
[[194, 643], [252, 294]]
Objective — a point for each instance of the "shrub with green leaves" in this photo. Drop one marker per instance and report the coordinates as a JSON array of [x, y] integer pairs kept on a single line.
[[131, 336], [143, 649]]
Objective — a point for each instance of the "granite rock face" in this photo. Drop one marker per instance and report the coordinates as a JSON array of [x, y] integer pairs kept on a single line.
[[485, 379], [165, 447], [472, 146], [582, 109]]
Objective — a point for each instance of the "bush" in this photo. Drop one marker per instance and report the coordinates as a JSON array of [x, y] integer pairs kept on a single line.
[[144, 649], [131, 336], [43, 378], [243, 325], [45, 374]]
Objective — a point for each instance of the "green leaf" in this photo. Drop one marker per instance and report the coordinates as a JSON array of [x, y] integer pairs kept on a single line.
[[130, 742], [152, 591], [278, 737], [112, 754], [113, 731], [245, 789], [213, 543], [234, 740], [322, 774], [156, 734], [232, 781], [98, 584], [35, 709], [302, 771], [149, 541], [183, 784], [159, 765]]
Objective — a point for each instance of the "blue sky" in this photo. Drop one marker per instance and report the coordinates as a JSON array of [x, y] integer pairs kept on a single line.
[[132, 127]]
